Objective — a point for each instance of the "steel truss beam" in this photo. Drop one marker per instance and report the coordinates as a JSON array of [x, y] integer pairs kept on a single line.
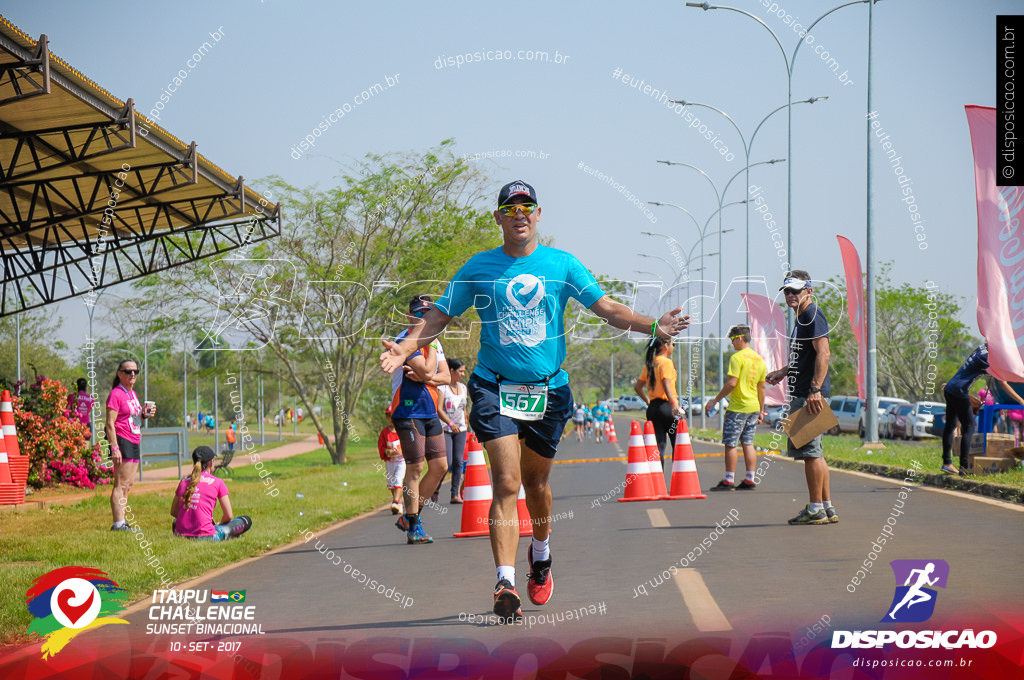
[[39, 151], [79, 196], [24, 72], [35, 277]]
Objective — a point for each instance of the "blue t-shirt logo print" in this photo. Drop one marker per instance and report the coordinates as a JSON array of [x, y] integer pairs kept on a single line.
[[521, 297]]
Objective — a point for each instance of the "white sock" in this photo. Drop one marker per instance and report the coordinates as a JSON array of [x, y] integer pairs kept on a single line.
[[750, 475], [507, 573], [541, 551], [815, 507], [730, 477], [827, 504], [120, 524]]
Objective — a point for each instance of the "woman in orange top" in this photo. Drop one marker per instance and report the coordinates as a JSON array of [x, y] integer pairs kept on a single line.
[[658, 379]]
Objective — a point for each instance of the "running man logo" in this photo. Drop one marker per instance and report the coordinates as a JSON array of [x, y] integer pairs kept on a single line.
[[67, 601], [913, 601]]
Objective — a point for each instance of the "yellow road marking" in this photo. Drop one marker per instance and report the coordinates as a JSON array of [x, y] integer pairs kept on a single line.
[[707, 616], [658, 517]]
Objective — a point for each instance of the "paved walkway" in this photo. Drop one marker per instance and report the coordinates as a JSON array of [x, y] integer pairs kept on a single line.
[[159, 479]]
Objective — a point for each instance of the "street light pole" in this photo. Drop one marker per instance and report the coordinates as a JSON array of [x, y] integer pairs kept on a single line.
[[719, 198], [870, 368], [746, 151], [789, 62], [703, 234]]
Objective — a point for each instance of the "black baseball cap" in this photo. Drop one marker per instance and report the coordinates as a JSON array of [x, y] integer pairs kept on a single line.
[[514, 189], [202, 454], [419, 303]]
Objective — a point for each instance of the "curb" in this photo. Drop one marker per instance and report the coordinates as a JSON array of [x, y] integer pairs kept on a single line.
[[941, 480], [998, 492]]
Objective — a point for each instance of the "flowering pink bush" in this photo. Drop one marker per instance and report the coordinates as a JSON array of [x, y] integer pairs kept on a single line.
[[57, 446]]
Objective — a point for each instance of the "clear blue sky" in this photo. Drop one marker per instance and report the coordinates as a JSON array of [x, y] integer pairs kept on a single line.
[[280, 67]]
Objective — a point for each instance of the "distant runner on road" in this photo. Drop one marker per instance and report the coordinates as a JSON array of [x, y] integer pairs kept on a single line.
[[521, 396]]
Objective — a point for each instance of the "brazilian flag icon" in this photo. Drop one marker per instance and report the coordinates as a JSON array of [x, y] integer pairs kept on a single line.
[[237, 596]]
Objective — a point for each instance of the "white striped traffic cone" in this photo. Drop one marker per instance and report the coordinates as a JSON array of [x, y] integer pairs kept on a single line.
[[685, 483], [638, 478], [476, 506]]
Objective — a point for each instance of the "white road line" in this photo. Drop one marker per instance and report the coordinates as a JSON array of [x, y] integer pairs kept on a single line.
[[703, 608], [658, 517]]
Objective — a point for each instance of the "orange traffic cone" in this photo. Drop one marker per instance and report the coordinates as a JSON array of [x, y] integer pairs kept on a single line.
[[525, 523], [654, 461], [476, 498], [319, 438], [7, 421], [638, 479], [5, 466], [685, 483], [612, 439], [11, 493], [18, 464]]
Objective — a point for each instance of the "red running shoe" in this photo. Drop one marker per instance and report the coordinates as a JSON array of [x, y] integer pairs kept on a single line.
[[506, 601], [541, 583]]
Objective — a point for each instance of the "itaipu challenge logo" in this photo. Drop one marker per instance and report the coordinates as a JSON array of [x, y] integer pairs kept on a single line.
[[914, 601], [71, 600]]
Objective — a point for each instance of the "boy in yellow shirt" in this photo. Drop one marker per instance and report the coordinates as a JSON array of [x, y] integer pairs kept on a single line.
[[747, 373]]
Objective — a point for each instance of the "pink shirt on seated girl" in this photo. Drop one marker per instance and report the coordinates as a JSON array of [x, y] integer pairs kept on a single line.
[[195, 516]]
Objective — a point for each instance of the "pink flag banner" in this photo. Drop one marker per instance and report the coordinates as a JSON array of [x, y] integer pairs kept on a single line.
[[1000, 253], [855, 304], [768, 338]]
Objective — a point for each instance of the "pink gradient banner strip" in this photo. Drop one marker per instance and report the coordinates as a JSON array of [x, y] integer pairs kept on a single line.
[[855, 303], [1000, 253], [768, 338]]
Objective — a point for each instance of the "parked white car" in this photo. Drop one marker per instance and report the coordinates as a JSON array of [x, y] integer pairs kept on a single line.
[[697, 407], [919, 420]]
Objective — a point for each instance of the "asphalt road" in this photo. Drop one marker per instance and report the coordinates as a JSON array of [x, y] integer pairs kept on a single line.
[[758, 576]]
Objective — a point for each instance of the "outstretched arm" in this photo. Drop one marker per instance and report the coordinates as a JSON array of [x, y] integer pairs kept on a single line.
[[620, 316], [1009, 390], [420, 335]]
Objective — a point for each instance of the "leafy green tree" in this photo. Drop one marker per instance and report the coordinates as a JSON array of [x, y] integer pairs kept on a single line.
[[920, 343], [41, 352], [338, 280]]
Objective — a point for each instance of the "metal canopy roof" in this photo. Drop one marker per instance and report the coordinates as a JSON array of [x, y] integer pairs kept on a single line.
[[93, 194]]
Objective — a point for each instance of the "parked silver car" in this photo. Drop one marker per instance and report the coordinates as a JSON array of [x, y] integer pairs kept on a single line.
[[883, 404], [630, 401], [846, 410]]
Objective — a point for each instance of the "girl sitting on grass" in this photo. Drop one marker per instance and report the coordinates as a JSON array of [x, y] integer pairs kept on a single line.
[[194, 518]]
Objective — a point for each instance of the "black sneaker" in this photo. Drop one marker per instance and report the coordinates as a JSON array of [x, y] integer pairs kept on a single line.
[[724, 486], [808, 517], [506, 601], [746, 485]]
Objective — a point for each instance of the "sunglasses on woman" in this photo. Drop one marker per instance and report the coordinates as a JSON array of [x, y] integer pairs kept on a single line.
[[130, 371]]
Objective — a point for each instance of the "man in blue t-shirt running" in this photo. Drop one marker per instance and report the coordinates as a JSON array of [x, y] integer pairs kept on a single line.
[[601, 417], [521, 396]]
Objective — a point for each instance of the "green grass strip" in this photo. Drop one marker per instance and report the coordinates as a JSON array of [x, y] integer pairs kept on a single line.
[[39, 541]]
